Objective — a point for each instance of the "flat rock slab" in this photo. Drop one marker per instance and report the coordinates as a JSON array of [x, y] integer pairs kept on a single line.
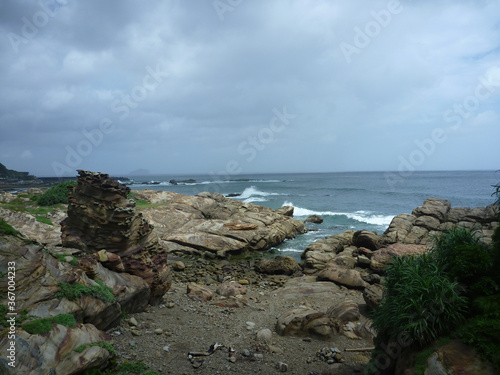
[[210, 222]]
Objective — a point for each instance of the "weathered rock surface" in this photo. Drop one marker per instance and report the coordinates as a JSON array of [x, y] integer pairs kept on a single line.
[[199, 292], [39, 274], [53, 352], [31, 228], [407, 234], [316, 219], [340, 275], [345, 311], [373, 295], [307, 322], [434, 216], [278, 266], [457, 358], [230, 289], [100, 216], [319, 253], [210, 222]]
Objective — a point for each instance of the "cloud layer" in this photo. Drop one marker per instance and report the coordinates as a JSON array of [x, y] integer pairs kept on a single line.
[[249, 86]]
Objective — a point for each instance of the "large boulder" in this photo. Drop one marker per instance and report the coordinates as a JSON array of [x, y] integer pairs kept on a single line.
[[230, 289], [307, 322], [383, 257], [278, 266], [100, 216], [345, 311], [54, 352], [210, 222], [365, 238], [437, 208], [39, 274], [320, 252], [340, 275]]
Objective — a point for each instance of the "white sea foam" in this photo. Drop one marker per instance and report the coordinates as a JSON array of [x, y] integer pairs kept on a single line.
[[252, 191], [361, 216]]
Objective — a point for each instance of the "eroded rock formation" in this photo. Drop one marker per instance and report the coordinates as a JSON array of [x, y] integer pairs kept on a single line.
[[101, 217]]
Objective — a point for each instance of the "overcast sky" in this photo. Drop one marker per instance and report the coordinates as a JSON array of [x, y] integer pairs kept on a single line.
[[248, 86]]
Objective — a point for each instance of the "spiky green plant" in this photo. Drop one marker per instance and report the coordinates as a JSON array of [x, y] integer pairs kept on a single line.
[[419, 300]]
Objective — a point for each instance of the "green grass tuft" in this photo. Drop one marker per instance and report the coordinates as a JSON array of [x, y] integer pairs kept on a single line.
[[40, 326], [74, 291], [6, 228]]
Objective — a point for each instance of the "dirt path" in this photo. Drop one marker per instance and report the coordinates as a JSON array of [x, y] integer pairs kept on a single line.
[[166, 334]]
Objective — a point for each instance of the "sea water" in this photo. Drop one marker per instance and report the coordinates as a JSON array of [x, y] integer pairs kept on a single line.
[[346, 200]]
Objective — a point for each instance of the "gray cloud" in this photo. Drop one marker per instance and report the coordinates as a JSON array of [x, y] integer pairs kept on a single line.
[[186, 87]]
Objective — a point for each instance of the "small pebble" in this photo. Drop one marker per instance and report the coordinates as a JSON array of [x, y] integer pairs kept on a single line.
[[166, 348], [132, 321], [245, 352], [158, 331]]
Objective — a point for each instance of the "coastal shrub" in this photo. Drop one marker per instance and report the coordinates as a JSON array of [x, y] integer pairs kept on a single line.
[[40, 326], [75, 290], [6, 228], [43, 219], [419, 300], [56, 194], [466, 260]]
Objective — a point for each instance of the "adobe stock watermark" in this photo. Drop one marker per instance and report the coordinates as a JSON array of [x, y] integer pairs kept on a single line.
[[488, 84], [90, 139], [30, 26], [223, 6], [456, 114], [253, 144], [364, 36]]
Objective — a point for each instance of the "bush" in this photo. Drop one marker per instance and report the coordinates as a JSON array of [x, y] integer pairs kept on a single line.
[[56, 194], [419, 300], [466, 260]]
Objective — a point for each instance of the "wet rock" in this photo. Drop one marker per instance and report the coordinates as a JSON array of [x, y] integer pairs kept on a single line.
[[316, 219], [285, 210], [278, 266]]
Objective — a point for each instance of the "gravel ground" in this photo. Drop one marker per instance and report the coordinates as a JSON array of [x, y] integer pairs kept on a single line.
[[166, 334]]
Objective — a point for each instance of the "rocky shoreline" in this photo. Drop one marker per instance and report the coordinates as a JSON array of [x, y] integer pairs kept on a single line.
[[186, 273]]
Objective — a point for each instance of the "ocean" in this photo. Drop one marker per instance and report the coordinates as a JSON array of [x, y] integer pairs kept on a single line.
[[346, 200]]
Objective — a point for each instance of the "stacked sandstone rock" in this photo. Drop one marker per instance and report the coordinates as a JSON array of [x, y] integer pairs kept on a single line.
[[101, 217]]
